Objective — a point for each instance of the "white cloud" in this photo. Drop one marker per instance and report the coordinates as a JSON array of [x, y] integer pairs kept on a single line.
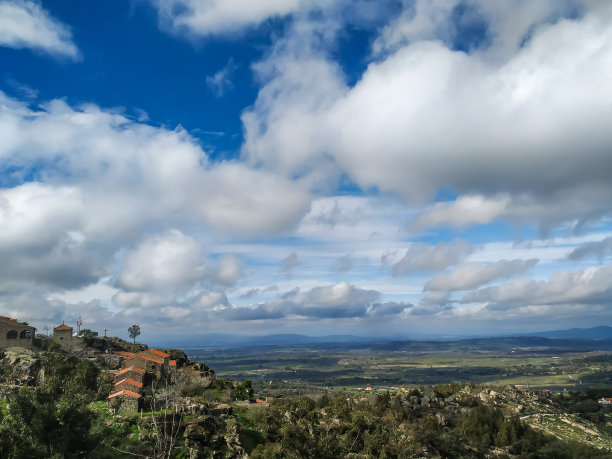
[[128, 173], [340, 300], [593, 249], [228, 270], [521, 127], [471, 275], [168, 260], [209, 17], [589, 286], [220, 82], [427, 257], [25, 24]]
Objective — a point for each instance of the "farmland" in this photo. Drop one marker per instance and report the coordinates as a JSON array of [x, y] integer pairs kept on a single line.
[[542, 364]]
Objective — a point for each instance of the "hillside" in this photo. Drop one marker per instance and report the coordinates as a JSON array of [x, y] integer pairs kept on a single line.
[[192, 413]]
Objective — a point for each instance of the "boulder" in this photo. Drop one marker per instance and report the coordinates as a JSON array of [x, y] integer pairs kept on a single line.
[[179, 356], [24, 363]]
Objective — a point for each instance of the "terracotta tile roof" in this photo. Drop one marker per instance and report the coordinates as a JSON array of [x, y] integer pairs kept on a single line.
[[124, 392], [126, 354], [140, 356], [134, 369], [130, 381], [8, 318], [172, 363], [63, 327], [158, 352]]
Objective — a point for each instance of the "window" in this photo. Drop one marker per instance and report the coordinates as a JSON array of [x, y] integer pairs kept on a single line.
[[12, 334], [25, 334]]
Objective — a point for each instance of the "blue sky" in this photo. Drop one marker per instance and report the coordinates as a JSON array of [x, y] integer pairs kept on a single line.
[[397, 168]]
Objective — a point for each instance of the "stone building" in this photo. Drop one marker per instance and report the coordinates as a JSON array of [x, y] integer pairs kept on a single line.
[[63, 335], [128, 384], [134, 373], [14, 333], [125, 401]]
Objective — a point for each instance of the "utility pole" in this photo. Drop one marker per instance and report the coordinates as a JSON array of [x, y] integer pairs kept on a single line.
[[79, 323]]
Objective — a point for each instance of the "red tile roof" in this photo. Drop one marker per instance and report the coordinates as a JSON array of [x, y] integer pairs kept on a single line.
[[158, 352], [124, 392], [134, 369], [127, 354], [172, 363], [140, 356], [130, 381], [8, 318], [63, 327]]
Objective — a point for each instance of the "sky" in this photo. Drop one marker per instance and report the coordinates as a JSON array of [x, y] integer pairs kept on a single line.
[[397, 168]]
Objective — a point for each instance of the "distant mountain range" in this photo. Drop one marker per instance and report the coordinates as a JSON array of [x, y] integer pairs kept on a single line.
[[293, 339], [601, 332]]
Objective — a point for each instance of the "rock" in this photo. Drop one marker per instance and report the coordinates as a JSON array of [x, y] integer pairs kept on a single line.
[[179, 356], [196, 435], [219, 409], [208, 422], [109, 361], [519, 409], [25, 364]]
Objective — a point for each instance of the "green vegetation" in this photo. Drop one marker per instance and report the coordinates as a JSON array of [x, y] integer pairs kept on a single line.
[[296, 369], [61, 411], [53, 419], [382, 427]]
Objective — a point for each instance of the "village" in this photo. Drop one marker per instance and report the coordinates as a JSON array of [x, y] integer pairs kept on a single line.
[[133, 370]]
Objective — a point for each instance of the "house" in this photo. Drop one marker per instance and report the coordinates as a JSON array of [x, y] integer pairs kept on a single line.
[[134, 373], [172, 365], [128, 384], [157, 354], [605, 401], [15, 333], [62, 334], [150, 365], [124, 401]]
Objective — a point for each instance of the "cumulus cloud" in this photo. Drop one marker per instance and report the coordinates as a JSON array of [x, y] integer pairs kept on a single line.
[[589, 286], [228, 270], [596, 249], [125, 174], [169, 260], [500, 125], [338, 301], [26, 24], [211, 17], [427, 257], [464, 211], [472, 275]]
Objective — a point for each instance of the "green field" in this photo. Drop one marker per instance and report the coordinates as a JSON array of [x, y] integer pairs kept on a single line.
[[386, 368]]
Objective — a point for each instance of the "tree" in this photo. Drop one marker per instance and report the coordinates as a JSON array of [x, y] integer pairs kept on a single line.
[[88, 334], [243, 391], [134, 331], [53, 419]]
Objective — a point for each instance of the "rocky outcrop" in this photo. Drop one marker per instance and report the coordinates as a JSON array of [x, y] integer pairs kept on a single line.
[[25, 366], [178, 355], [214, 428]]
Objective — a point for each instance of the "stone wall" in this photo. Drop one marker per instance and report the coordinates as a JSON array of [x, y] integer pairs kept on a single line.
[[14, 333]]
